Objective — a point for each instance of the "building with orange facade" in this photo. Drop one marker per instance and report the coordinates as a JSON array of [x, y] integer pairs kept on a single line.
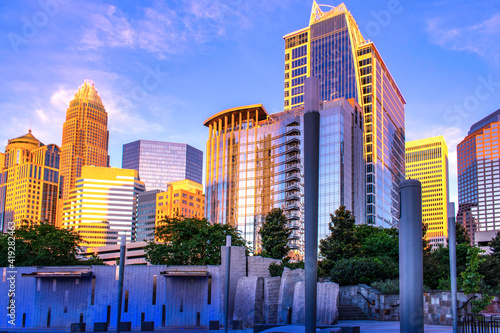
[[183, 198], [427, 161], [478, 157], [85, 136], [29, 181]]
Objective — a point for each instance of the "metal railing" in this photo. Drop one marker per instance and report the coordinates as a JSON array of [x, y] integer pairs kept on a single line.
[[479, 324]]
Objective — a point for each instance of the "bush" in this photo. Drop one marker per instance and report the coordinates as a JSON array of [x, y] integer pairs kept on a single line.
[[387, 286], [277, 269], [363, 270]]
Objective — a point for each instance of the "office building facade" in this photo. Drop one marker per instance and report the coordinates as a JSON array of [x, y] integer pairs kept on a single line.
[[29, 182], [255, 164], [427, 161], [160, 163], [333, 49], [103, 205], [183, 198], [479, 180], [146, 215], [85, 136]]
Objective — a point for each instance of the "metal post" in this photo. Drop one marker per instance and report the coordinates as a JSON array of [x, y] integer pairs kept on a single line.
[[452, 245], [311, 181], [123, 249], [411, 279], [228, 264]]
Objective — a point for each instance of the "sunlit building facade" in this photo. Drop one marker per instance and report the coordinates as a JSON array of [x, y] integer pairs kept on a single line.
[[255, 164], [103, 205], [29, 182], [160, 163], [85, 136], [479, 180], [333, 49], [427, 161], [183, 198]]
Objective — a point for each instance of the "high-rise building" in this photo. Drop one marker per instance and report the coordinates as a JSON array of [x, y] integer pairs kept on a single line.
[[182, 198], [160, 163], [427, 161], [85, 136], [479, 180], [29, 181], [254, 164], [103, 205], [146, 215], [333, 49]]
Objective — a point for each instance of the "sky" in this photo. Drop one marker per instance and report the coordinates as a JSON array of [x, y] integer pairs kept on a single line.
[[163, 67]]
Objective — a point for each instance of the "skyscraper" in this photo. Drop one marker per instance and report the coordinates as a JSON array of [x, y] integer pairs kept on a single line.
[[160, 163], [333, 49], [146, 215], [103, 205], [254, 164], [85, 135], [479, 179], [427, 161], [29, 182]]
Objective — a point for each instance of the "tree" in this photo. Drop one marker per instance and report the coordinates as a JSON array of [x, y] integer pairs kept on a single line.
[[274, 235], [42, 244], [190, 241], [462, 235], [494, 245], [342, 242], [473, 280]]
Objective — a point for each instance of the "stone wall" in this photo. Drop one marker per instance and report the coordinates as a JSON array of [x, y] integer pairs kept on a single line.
[[259, 266], [380, 306]]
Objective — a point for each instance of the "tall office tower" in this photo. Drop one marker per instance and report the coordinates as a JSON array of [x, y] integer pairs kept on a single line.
[[479, 180], [427, 161], [160, 163], [29, 182], [3, 180], [182, 198], [333, 49], [85, 136], [103, 205], [146, 215], [254, 164]]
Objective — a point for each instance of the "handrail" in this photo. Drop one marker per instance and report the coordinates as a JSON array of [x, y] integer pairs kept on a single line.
[[465, 304], [367, 300]]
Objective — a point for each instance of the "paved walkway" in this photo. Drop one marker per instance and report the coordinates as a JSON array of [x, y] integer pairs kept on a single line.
[[365, 326]]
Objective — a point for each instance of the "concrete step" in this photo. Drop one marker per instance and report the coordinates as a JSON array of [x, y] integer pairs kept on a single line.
[[350, 312]]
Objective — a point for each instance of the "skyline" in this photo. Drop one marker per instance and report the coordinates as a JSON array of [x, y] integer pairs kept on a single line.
[[169, 51]]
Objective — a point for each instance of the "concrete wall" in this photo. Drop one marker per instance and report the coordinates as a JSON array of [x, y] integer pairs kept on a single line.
[[385, 307]]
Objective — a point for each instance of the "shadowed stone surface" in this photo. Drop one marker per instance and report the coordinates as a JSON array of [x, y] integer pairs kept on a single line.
[[249, 301], [327, 303], [271, 298], [287, 289]]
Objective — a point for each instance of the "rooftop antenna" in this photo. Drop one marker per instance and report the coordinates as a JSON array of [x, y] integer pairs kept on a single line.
[[29, 131]]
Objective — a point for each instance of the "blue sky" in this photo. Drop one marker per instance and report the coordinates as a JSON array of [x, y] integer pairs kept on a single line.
[[163, 67]]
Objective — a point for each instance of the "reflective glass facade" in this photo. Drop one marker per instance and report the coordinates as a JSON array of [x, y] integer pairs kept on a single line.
[[479, 177], [160, 163], [146, 212], [255, 164], [333, 49], [427, 161]]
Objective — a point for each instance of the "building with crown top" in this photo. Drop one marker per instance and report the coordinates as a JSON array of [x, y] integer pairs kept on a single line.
[[29, 182], [333, 49], [85, 136]]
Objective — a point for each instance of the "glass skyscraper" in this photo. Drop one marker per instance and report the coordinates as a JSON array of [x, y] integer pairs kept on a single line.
[[160, 163], [255, 164], [146, 213], [479, 179], [333, 49]]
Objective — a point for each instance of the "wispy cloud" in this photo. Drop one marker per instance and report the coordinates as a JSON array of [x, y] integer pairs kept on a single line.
[[478, 38]]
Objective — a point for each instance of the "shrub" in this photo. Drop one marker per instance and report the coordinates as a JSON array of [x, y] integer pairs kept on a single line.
[[389, 286], [363, 270]]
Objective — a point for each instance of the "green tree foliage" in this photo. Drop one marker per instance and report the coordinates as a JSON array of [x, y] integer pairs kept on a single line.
[[274, 235], [364, 270], [277, 269], [190, 241], [494, 245], [42, 245], [462, 235], [473, 280]]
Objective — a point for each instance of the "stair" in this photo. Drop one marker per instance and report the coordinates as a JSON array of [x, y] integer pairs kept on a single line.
[[351, 312]]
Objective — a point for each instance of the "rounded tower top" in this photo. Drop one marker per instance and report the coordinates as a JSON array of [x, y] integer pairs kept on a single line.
[[87, 92]]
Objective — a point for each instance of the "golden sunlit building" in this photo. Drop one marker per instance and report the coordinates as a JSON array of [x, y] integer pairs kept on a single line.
[[29, 181], [103, 205], [427, 161], [333, 49], [182, 198], [85, 136]]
